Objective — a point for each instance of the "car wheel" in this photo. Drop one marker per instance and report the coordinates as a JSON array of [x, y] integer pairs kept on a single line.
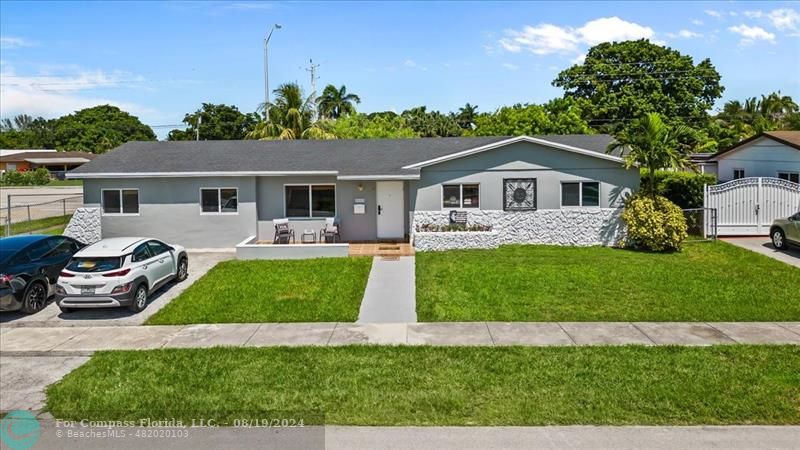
[[183, 269], [35, 298], [778, 239], [139, 299]]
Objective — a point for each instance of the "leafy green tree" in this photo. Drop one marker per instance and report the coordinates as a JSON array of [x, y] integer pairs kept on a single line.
[[99, 129], [465, 117], [559, 116], [217, 122], [431, 124], [361, 126], [622, 81], [741, 120], [24, 132], [651, 144], [334, 103]]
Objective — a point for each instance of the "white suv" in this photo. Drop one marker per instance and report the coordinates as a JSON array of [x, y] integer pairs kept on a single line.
[[119, 272]]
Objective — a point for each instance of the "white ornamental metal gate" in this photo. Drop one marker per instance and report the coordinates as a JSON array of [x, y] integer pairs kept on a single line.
[[748, 206]]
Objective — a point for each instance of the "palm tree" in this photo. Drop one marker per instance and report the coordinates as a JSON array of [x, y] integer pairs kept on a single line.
[[289, 115], [466, 116], [334, 103], [651, 144]]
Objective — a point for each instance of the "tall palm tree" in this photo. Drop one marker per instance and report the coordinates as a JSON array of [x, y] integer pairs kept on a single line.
[[289, 115], [651, 144], [466, 116], [334, 103]]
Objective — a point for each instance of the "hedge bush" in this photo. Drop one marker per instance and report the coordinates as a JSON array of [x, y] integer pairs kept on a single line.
[[654, 224], [38, 177], [685, 189]]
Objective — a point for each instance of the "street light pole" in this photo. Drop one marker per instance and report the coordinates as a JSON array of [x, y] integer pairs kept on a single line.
[[266, 71]]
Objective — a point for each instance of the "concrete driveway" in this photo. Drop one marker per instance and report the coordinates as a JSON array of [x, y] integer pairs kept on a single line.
[[764, 246], [51, 315]]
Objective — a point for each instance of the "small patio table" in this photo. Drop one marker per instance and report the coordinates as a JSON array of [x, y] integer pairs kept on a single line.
[[308, 237]]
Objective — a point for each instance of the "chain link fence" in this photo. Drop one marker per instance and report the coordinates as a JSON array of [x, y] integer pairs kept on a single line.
[[28, 213], [702, 224]]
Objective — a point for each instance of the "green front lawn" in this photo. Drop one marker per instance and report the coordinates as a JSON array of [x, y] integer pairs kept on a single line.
[[311, 290], [369, 385], [708, 281]]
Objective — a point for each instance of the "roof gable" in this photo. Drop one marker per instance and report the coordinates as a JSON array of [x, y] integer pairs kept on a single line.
[[788, 138]]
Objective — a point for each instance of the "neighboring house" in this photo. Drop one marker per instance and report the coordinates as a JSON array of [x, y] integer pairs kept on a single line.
[[216, 193], [769, 154], [54, 161]]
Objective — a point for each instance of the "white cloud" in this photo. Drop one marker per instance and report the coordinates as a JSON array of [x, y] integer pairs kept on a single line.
[[53, 96], [697, 22], [410, 63], [714, 13], [578, 59], [510, 66], [546, 39], [756, 14], [750, 34], [9, 42], [784, 18], [684, 34]]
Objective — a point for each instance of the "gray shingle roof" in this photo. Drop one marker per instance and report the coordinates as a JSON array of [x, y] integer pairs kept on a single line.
[[346, 156]]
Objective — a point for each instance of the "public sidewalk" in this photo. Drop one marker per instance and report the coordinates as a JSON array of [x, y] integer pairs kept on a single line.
[[77, 341]]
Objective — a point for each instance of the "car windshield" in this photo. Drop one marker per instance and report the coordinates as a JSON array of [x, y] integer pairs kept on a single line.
[[95, 264]]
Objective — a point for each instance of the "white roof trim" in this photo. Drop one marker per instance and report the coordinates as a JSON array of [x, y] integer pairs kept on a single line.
[[198, 174], [57, 160], [509, 141], [377, 177]]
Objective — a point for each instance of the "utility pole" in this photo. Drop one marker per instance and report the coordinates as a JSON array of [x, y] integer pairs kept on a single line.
[[197, 130], [312, 68]]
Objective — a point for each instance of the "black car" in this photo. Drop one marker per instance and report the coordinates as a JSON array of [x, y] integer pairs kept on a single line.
[[29, 269]]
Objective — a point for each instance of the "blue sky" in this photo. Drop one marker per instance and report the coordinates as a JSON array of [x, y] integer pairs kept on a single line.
[[161, 60]]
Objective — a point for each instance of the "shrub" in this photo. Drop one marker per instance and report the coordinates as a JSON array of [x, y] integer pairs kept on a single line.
[[429, 227], [654, 224], [685, 189], [40, 176]]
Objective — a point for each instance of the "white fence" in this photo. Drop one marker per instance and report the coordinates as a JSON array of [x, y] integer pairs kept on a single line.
[[748, 206]]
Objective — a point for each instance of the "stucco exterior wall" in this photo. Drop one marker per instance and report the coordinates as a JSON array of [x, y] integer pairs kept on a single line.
[[760, 158], [353, 227], [549, 166], [581, 227], [169, 210]]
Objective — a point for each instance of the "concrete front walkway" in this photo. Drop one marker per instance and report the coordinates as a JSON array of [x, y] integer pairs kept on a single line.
[[764, 246], [82, 341], [390, 296]]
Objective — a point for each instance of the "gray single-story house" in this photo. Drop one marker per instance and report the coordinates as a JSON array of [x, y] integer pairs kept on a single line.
[[205, 194]]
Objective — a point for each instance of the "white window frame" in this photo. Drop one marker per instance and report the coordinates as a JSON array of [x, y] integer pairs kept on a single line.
[[789, 175], [580, 194], [121, 207], [736, 169], [460, 196], [219, 201], [310, 208]]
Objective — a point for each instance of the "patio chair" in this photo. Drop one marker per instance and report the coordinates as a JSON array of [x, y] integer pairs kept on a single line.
[[331, 231], [282, 232]]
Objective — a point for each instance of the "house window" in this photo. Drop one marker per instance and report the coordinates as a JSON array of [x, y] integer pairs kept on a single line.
[[310, 200], [219, 200], [738, 173], [519, 194], [461, 195], [120, 201], [580, 193], [794, 177]]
